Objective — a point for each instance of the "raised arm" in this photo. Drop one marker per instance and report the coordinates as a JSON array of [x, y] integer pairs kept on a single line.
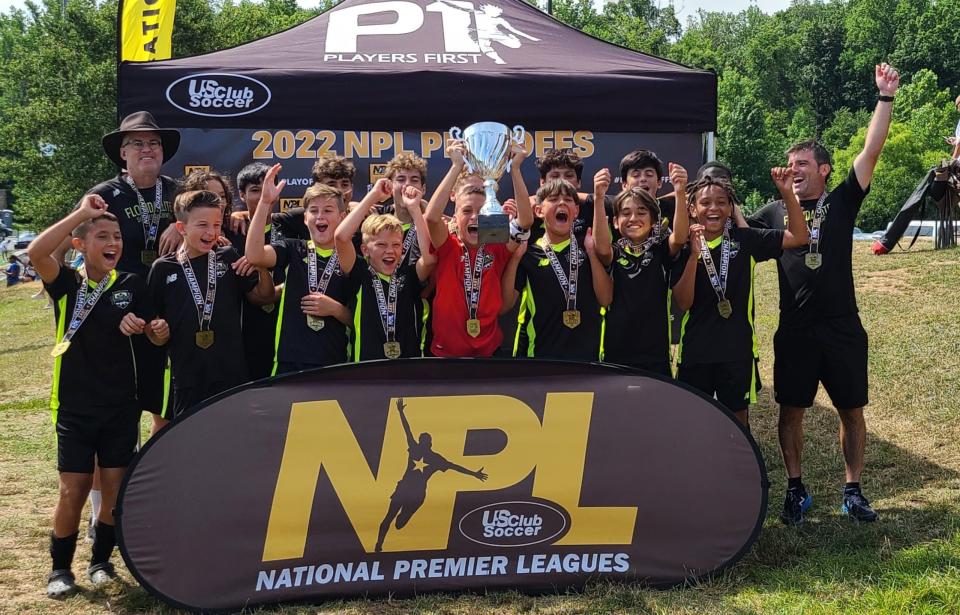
[[343, 237], [406, 425], [42, 250], [411, 202], [508, 293], [521, 197], [797, 233], [438, 202], [681, 219], [259, 254], [683, 290], [602, 239], [602, 282], [888, 80]]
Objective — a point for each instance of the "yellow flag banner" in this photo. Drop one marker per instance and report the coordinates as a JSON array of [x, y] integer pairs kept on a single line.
[[145, 29]]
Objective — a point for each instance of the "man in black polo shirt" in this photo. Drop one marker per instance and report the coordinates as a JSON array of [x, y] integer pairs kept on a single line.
[[141, 199], [820, 338]]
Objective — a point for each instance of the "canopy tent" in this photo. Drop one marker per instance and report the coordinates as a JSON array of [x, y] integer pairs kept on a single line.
[[368, 79], [420, 64]]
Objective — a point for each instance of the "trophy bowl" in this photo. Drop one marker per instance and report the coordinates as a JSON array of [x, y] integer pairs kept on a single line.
[[487, 147]]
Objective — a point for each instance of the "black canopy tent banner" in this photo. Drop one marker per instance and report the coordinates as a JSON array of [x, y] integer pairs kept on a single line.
[[370, 79]]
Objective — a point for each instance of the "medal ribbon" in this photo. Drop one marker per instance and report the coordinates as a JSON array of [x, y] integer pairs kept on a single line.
[[149, 220], [818, 216], [718, 282], [386, 305], [314, 285], [204, 305], [472, 280], [567, 284], [85, 304], [408, 243]]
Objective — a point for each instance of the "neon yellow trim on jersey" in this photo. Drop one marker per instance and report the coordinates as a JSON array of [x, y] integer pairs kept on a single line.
[[753, 329], [423, 324], [557, 247], [55, 387], [603, 331], [683, 331], [384, 277], [531, 330], [356, 325], [713, 243], [521, 318], [276, 335], [164, 409]]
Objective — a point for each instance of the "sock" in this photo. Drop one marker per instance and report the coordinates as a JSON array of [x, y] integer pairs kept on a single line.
[[61, 550], [104, 539], [851, 488], [95, 504], [794, 483]]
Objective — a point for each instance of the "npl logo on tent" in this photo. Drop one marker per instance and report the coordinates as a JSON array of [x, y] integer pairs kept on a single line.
[[468, 31]]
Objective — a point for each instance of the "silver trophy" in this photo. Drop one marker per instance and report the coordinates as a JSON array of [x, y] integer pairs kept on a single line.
[[487, 155]]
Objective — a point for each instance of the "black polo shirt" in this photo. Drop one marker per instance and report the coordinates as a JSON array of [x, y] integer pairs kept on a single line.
[[544, 301], [122, 202], [813, 295], [637, 323], [295, 341], [368, 333], [97, 370], [705, 335], [192, 366]]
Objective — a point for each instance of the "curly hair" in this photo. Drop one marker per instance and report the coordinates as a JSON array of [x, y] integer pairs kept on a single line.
[[559, 158], [332, 167], [705, 182], [407, 160]]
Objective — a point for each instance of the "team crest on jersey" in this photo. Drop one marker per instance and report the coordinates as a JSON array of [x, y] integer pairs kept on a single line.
[[221, 269], [734, 248], [121, 298]]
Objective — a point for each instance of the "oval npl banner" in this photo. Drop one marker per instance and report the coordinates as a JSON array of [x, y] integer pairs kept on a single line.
[[218, 94], [386, 477]]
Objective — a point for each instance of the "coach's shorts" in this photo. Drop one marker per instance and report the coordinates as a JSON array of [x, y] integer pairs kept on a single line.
[[734, 383], [151, 362], [833, 352], [109, 434]]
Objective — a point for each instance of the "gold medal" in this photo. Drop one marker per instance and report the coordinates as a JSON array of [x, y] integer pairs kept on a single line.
[[725, 308], [392, 350], [314, 322], [571, 318], [60, 348], [813, 260], [204, 339], [148, 256], [473, 327]]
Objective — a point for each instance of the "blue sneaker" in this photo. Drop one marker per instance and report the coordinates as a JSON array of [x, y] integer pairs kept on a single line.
[[858, 508], [797, 502]]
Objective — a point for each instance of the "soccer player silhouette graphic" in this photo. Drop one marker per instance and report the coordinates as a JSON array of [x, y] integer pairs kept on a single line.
[[422, 463]]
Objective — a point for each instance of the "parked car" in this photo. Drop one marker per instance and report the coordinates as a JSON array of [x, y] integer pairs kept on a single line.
[[24, 240], [859, 235]]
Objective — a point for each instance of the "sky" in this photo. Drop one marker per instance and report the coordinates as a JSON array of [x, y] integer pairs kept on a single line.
[[684, 7]]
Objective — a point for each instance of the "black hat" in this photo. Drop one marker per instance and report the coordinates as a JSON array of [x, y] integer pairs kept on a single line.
[[139, 121]]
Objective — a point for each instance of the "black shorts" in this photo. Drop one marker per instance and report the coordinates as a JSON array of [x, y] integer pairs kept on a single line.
[[109, 434], [833, 352], [151, 362], [734, 383]]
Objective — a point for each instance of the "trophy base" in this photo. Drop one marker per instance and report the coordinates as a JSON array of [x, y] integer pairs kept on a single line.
[[493, 228]]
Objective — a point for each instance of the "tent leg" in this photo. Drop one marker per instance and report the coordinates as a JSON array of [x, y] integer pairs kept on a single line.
[[710, 146]]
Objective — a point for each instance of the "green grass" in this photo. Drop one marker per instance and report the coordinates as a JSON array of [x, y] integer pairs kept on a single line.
[[907, 563]]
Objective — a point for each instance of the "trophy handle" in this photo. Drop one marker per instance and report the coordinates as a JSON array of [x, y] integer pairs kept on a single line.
[[520, 134], [456, 133]]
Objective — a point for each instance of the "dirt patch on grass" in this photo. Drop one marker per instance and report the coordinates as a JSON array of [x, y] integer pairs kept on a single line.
[[891, 281]]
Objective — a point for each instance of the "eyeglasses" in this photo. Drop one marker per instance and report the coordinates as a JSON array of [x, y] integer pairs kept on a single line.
[[139, 144]]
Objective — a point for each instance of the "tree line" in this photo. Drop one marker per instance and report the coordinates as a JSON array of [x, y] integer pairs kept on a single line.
[[803, 72]]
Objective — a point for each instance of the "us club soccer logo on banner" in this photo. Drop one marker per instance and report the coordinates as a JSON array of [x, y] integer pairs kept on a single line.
[[472, 33]]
